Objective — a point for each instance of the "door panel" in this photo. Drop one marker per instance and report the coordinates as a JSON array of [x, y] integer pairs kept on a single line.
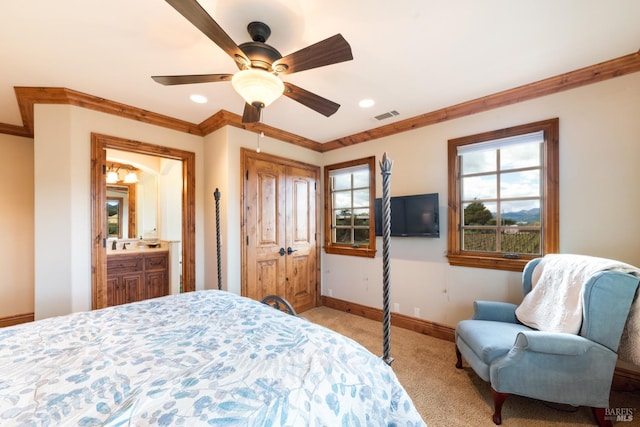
[[115, 295], [157, 284], [268, 195], [301, 238], [265, 231], [134, 287], [280, 225], [267, 279]]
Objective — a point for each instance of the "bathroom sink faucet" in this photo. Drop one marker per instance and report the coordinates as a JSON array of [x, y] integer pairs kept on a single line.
[[113, 245]]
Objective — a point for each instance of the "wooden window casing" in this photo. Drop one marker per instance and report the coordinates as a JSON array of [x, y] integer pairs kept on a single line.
[[332, 247], [549, 214]]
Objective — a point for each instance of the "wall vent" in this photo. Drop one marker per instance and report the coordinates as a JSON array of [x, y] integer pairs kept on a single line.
[[386, 115]]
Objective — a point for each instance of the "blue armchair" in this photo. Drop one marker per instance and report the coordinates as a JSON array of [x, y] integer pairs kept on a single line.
[[555, 367]]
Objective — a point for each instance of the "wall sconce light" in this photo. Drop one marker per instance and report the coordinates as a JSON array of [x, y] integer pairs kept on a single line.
[[131, 178], [112, 175]]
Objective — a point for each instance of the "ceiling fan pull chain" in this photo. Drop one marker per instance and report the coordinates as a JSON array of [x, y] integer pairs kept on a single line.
[[261, 134]]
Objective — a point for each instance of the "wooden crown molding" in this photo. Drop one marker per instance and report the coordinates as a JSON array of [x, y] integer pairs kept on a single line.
[[225, 118], [28, 96], [15, 130]]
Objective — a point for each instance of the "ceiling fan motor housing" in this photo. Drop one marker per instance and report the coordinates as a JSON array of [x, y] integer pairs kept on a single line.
[[260, 54]]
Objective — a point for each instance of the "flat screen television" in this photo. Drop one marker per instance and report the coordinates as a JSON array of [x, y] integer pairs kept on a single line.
[[411, 216]]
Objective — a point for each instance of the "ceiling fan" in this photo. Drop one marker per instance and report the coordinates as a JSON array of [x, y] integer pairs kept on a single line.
[[260, 64]]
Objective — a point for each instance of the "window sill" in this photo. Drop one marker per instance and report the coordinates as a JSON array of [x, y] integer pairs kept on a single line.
[[345, 250], [491, 262]]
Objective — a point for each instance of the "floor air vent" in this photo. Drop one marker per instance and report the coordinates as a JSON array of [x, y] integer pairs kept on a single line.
[[386, 115]]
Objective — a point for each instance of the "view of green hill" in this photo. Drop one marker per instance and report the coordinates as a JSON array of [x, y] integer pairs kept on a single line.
[[526, 216]]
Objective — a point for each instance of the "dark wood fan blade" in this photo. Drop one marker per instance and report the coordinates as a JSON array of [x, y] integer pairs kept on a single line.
[[197, 78], [199, 17], [329, 51], [251, 114], [311, 100]]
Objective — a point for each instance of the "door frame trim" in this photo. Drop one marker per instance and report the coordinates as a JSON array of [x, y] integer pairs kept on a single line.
[[245, 155], [99, 143]]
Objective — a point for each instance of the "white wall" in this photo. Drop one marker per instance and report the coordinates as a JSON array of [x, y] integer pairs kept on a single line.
[[147, 206], [62, 220], [169, 196], [216, 176], [16, 219], [599, 201], [57, 180]]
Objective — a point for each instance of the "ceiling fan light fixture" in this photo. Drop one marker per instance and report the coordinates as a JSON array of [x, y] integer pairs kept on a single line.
[[257, 85]]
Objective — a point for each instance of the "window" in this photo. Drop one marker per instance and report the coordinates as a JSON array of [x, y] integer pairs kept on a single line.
[[503, 196], [349, 193]]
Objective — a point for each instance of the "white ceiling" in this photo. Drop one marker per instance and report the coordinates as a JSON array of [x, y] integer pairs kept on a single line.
[[412, 56]]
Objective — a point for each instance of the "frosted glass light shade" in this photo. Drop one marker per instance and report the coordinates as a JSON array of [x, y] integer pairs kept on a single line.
[[131, 178], [112, 177], [257, 86]]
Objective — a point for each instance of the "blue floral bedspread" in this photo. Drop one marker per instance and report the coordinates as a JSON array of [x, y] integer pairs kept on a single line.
[[199, 358]]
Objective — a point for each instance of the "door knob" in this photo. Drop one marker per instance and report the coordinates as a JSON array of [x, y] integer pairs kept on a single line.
[[290, 251], [281, 251]]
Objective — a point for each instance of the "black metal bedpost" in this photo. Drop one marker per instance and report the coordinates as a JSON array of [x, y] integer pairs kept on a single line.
[[385, 168], [216, 195]]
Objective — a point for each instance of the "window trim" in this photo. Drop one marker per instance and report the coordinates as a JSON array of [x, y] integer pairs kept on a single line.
[[550, 212], [329, 246]]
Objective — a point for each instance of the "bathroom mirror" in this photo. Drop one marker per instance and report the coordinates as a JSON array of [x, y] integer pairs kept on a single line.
[[125, 194], [114, 216], [139, 200]]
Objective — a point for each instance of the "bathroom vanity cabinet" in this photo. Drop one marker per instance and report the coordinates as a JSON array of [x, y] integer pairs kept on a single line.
[[137, 275]]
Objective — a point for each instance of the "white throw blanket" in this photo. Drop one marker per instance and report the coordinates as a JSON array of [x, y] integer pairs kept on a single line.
[[555, 301]]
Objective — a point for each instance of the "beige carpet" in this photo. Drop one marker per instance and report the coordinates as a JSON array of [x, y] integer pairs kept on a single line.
[[446, 396]]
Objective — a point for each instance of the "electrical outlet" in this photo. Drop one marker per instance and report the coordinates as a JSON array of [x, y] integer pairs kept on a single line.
[[416, 311], [396, 307]]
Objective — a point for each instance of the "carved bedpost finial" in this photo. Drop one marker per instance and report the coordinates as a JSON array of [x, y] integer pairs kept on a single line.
[[386, 164]]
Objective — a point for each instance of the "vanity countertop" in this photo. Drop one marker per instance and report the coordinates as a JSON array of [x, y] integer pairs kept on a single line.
[[136, 250]]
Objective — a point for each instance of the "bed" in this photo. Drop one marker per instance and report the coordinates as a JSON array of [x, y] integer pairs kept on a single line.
[[198, 358]]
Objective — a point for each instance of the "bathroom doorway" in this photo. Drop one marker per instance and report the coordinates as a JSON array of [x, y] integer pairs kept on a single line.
[[99, 144]]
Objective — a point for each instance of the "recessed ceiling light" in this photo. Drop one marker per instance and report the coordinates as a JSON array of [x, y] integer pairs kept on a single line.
[[200, 99], [366, 103]]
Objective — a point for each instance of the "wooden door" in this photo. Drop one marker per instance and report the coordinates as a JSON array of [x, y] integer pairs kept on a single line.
[[300, 238], [280, 251], [265, 231]]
